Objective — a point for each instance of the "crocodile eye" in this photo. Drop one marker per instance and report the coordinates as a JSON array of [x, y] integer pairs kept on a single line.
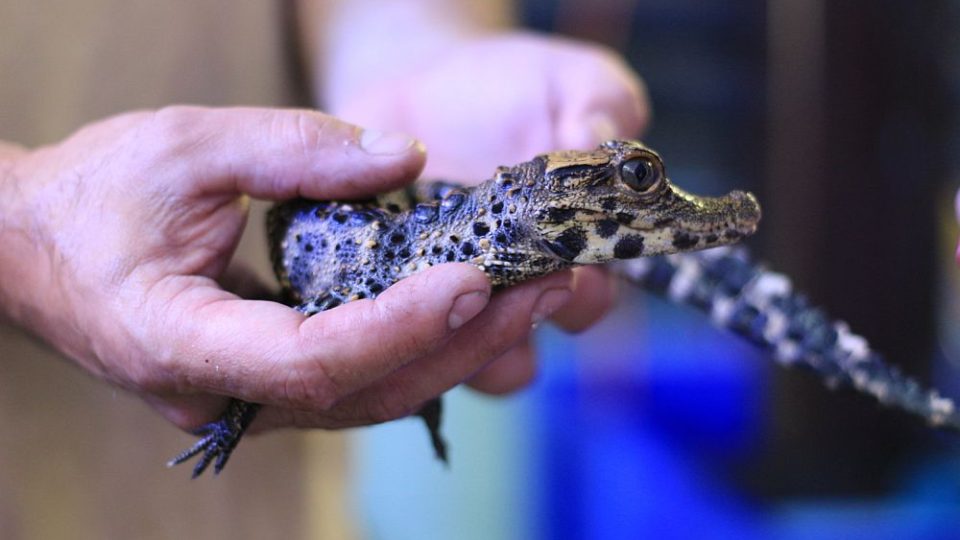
[[640, 174]]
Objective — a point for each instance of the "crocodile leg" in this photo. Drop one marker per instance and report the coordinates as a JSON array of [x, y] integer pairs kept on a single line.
[[219, 437], [432, 413]]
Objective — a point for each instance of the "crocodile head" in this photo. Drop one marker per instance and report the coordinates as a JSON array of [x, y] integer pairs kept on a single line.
[[616, 202]]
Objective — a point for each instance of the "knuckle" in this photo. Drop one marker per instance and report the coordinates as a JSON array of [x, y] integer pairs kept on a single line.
[[310, 389], [309, 129], [491, 345], [386, 405], [174, 129], [174, 119], [408, 342], [150, 380]]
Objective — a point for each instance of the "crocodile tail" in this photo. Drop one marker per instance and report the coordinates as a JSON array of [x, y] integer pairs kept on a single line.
[[762, 307]]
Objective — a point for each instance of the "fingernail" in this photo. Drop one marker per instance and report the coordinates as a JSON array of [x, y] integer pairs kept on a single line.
[[549, 302], [465, 307], [380, 143]]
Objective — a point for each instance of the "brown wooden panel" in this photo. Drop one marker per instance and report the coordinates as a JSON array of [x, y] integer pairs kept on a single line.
[[79, 459]]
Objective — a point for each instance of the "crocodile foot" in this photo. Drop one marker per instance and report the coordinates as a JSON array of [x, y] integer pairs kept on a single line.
[[431, 413], [219, 438]]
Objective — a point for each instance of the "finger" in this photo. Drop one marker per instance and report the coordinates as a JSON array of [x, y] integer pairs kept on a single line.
[[513, 370], [241, 280], [268, 353], [610, 102], [187, 411], [593, 296], [279, 154], [505, 322]]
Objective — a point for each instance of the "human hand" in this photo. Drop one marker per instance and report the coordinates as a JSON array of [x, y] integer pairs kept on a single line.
[[115, 239], [502, 100]]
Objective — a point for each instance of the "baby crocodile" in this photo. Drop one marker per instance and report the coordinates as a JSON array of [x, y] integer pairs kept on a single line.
[[560, 210], [556, 211]]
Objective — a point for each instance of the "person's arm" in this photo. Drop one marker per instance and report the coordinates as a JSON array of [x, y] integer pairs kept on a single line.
[[114, 240]]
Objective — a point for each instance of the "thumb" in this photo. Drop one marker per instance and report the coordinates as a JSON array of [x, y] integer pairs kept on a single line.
[[281, 153]]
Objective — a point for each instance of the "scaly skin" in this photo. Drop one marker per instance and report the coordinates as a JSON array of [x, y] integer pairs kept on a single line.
[[556, 211]]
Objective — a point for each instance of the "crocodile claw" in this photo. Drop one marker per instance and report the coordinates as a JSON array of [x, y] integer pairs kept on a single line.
[[219, 438], [431, 413]]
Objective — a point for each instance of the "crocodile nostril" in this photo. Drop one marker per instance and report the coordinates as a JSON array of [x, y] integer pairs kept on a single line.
[[747, 207]]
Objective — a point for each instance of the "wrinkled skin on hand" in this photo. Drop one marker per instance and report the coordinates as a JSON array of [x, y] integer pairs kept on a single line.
[[115, 241]]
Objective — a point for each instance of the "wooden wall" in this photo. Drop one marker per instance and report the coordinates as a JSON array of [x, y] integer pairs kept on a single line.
[[80, 459]]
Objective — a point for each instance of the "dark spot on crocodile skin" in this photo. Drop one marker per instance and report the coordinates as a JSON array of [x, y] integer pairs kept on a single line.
[[607, 228], [569, 244], [324, 243], [397, 238], [332, 303], [360, 295], [299, 237], [609, 204], [308, 247], [370, 281], [425, 213], [625, 217], [340, 217], [389, 254], [662, 222], [455, 239], [361, 216], [628, 247], [731, 235], [336, 246], [710, 238], [480, 228], [393, 208], [513, 257], [501, 238], [682, 240], [404, 253], [507, 223], [559, 215], [467, 249], [451, 255], [436, 250], [452, 201], [376, 288], [497, 208]]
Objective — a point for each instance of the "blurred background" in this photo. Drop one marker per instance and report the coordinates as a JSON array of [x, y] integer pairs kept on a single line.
[[841, 116]]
